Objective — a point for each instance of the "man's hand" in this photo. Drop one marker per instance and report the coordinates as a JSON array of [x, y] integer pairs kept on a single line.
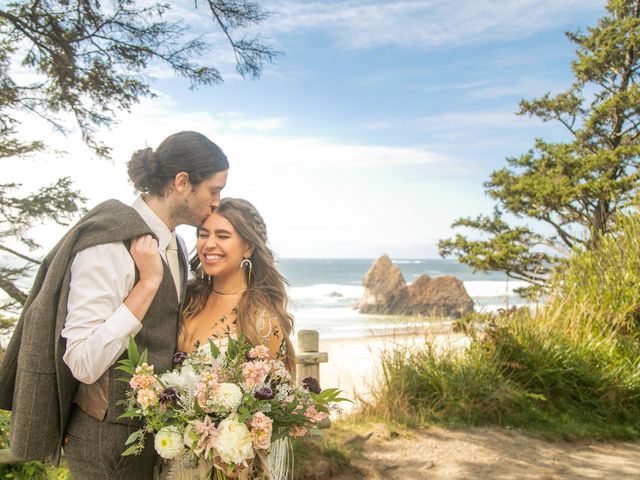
[[145, 254]]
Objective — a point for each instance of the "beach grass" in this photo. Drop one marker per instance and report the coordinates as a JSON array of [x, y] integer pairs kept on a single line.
[[570, 369]]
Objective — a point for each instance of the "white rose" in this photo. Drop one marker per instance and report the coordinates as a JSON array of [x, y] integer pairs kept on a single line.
[[168, 443], [234, 443], [185, 380], [228, 396]]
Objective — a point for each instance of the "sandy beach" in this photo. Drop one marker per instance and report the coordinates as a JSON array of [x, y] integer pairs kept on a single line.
[[354, 363]]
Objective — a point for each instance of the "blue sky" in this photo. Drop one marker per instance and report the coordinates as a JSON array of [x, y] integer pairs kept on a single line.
[[376, 128]]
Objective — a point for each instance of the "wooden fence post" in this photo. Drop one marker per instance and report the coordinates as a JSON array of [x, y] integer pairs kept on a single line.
[[308, 357]]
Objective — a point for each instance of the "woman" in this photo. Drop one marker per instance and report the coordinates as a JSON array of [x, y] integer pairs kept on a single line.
[[237, 290]]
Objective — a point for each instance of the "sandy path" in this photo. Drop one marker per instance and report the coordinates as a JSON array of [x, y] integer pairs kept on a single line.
[[488, 453], [475, 453]]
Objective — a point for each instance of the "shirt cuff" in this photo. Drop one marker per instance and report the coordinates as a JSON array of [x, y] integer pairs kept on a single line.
[[122, 324]]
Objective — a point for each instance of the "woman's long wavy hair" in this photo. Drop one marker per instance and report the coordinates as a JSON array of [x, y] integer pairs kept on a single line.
[[266, 288]]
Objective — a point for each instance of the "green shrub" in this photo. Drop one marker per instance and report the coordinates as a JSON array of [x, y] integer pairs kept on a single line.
[[26, 470], [570, 369]]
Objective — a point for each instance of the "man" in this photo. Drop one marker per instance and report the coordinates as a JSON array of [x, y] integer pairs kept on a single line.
[[119, 271]]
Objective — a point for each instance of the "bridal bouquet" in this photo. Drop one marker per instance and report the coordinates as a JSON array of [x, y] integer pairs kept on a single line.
[[224, 405]]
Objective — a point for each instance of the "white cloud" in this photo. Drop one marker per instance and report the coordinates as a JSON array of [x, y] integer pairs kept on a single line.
[[319, 197], [473, 122], [362, 24]]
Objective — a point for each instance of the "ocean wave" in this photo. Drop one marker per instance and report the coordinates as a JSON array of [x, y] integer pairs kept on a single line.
[[325, 314], [340, 295], [405, 262], [327, 292]]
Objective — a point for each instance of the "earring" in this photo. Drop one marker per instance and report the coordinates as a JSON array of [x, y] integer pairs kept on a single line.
[[247, 263], [204, 277]]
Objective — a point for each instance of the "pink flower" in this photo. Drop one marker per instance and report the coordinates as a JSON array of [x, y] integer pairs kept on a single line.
[[147, 397], [142, 380], [207, 436], [260, 352], [314, 415], [298, 431], [261, 428], [254, 373], [206, 387]]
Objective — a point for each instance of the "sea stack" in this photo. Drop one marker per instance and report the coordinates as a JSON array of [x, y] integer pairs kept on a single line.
[[386, 292]]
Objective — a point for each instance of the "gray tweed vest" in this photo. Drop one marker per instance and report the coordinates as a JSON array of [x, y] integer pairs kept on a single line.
[[35, 383]]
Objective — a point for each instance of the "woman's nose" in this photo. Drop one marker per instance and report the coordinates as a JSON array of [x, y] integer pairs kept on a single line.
[[211, 242]]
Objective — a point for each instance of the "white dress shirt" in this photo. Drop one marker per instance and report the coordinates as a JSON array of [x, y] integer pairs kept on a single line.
[[98, 323]]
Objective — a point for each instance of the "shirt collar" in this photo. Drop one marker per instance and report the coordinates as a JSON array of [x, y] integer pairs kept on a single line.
[[153, 221]]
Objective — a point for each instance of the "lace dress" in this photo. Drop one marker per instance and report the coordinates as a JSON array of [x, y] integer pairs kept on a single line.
[[226, 327]]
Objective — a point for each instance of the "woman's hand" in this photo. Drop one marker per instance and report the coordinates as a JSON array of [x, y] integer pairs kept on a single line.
[[145, 254]]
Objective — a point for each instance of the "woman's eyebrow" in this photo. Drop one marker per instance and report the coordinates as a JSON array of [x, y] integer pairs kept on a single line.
[[222, 230]]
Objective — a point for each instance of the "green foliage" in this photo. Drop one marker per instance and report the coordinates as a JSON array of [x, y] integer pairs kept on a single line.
[[574, 187], [90, 59], [569, 369], [58, 203], [26, 470]]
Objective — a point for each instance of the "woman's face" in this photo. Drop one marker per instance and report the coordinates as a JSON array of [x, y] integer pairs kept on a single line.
[[220, 248]]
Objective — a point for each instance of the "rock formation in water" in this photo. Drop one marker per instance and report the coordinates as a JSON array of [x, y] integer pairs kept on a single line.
[[386, 292]]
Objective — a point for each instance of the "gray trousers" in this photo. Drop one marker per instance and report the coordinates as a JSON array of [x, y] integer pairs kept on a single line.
[[93, 450]]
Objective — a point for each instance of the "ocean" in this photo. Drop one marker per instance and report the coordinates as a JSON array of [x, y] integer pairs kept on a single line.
[[323, 292]]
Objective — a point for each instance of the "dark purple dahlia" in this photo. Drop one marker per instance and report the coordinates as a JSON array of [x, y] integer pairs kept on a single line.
[[312, 385], [179, 358], [169, 395], [264, 393]]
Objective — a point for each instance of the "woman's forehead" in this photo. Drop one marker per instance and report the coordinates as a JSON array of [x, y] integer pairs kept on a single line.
[[216, 221]]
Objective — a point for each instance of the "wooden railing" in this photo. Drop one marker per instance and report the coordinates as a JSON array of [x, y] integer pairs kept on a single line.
[[308, 359]]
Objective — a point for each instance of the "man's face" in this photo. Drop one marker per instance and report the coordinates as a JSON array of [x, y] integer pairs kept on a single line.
[[202, 200]]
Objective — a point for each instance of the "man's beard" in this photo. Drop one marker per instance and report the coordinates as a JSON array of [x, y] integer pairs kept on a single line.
[[182, 214]]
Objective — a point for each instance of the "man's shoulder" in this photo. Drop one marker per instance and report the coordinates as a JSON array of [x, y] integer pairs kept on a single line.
[[115, 218], [112, 207], [109, 222]]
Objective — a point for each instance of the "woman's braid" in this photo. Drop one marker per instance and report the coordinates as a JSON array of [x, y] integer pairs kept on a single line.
[[261, 227]]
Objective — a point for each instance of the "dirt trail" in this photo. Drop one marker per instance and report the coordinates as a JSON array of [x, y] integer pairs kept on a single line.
[[488, 453]]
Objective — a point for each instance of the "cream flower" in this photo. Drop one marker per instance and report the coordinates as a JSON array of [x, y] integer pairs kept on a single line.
[[168, 443], [234, 445], [228, 396]]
